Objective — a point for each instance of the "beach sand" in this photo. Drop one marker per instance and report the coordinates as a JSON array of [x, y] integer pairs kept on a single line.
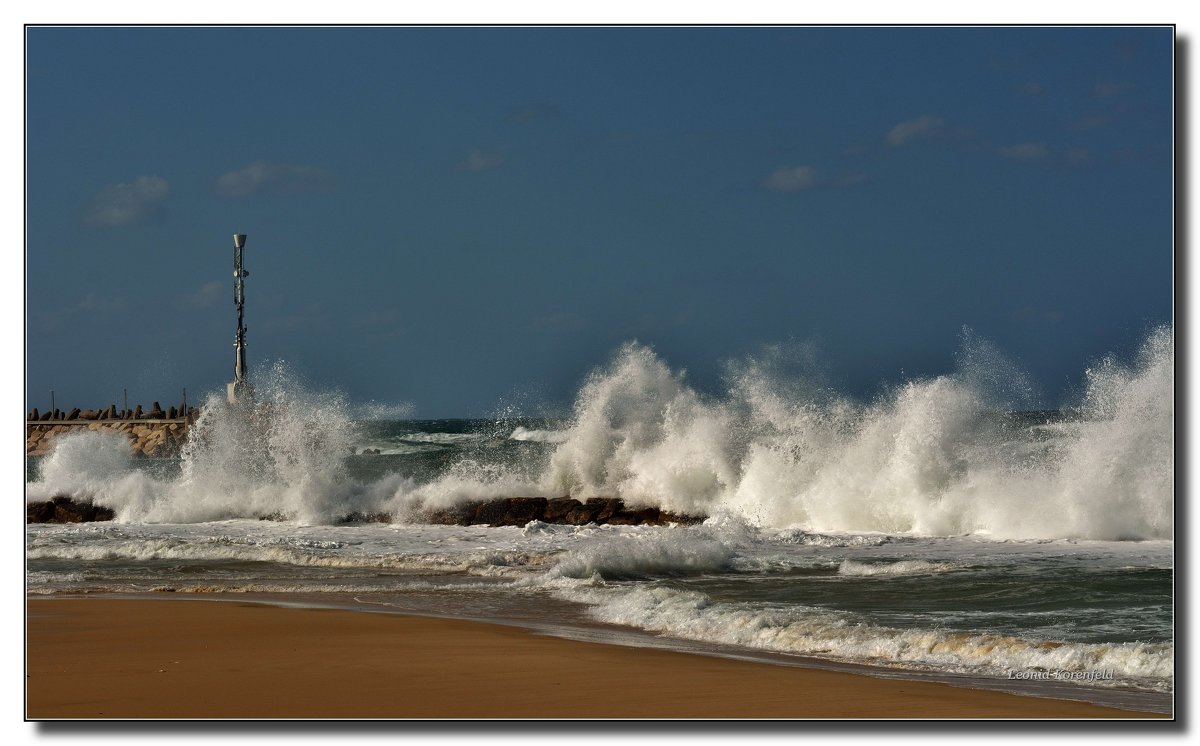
[[108, 658]]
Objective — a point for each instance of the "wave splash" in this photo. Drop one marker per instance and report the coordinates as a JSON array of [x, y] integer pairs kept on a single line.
[[935, 456], [284, 457]]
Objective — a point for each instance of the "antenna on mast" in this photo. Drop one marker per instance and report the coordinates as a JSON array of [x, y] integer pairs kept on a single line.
[[240, 386]]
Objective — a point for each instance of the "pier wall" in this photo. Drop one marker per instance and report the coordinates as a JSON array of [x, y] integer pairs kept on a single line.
[[153, 433]]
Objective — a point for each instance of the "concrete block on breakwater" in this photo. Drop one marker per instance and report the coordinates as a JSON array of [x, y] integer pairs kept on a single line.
[[156, 433]]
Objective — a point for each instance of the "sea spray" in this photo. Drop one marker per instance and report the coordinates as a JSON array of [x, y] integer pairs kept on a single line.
[[943, 455], [931, 456], [280, 455], [824, 633]]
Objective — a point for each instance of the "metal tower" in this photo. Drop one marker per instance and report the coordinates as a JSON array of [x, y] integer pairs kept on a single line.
[[240, 386]]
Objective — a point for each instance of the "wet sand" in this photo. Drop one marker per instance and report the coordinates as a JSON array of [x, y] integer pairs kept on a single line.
[[173, 658]]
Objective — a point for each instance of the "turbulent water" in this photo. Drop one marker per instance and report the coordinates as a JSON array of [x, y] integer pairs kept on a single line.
[[940, 527]]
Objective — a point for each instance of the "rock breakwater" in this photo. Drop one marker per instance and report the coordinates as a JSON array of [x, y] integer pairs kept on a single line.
[[153, 433], [502, 511]]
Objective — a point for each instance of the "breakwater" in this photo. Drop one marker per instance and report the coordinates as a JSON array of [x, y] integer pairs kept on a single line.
[[153, 432], [500, 511]]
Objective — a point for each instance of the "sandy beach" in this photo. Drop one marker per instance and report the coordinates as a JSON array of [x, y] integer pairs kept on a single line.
[[106, 658]]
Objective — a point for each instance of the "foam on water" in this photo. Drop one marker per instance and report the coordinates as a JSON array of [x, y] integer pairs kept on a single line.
[[929, 457], [828, 634], [285, 456], [723, 582], [539, 436], [902, 567]]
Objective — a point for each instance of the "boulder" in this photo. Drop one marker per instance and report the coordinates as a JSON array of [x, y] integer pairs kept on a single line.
[[46, 416], [170, 413], [583, 514], [518, 511], [74, 413], [63, 509], [358, 517], [558, 508], [682, 519], [609, 506], [33, 415], [137, 412], [511, 511], [456, 515], [643, 516]]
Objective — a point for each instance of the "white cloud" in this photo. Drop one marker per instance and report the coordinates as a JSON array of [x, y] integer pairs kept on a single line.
[[141, 201], [915, 129], [91, 304], [1078, 155], [477, 160], [208, 294], [792, 179], [261, 176], [1025, 151]]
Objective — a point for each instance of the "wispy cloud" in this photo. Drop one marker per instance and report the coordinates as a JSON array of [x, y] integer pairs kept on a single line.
[[1089, 122], [1105, 88], [1032, 88], [88, 308], [140, 201], [793, 179], [1077, 156], [207, 294], [91, 303], [261, 176], [1025, 151], [915, 129], [477, 160]]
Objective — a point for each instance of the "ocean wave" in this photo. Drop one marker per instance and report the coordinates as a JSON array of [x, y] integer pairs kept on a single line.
[[900, 567], [540, 436], [484, 561], [820, 633], [928, 457], [646, 555]]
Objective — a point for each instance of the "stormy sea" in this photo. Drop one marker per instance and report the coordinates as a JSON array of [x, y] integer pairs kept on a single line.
[[942, 529]]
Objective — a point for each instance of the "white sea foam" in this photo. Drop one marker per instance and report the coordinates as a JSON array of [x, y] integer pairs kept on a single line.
[[643, 555], [539, 436], [821, 633], [929, 457], [901, 567]]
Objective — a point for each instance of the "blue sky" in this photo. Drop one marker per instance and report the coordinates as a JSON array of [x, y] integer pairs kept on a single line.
[[466, 218]]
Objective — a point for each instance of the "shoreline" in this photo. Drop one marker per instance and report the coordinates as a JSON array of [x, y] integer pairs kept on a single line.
[[244, 658]]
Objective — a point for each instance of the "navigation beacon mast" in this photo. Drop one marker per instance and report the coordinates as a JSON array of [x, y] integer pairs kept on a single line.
[[240, 387]]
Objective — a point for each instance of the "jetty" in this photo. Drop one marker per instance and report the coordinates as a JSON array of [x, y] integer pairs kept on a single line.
[[153, 432]]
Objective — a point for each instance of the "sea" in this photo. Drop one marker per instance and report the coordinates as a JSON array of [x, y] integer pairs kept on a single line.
[[941, 529]]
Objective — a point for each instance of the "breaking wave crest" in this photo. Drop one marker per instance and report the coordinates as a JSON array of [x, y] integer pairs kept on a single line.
[[827, 634], [933, 456]]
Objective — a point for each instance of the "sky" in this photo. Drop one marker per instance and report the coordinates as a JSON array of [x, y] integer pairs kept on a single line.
[[471, 219]]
